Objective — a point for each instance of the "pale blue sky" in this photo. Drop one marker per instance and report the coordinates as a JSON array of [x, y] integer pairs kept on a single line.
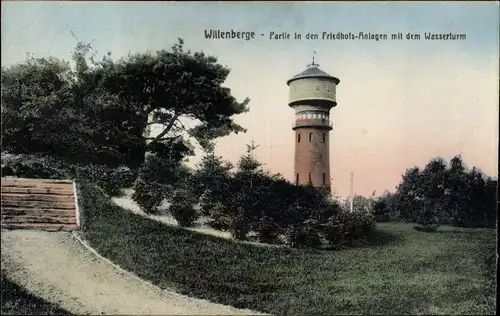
[[44, 27], [400, 102]]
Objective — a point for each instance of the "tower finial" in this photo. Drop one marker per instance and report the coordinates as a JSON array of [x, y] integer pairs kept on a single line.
[[313, 63]]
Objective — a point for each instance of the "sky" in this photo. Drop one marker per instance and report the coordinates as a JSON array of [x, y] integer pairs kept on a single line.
[[400, 102]]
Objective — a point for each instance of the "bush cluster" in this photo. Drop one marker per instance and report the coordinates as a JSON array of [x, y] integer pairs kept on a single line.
[[247, 201], [166, 178], [441, 194], [111, 180]]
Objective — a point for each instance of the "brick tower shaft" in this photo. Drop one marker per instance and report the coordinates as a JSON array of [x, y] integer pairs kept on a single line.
[[312, 157], [312, 95]]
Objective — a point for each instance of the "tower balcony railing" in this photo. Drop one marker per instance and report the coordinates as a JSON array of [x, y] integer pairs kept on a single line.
[[313, 123]]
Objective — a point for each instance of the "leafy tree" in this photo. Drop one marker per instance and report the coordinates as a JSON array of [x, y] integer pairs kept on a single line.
[[384, 208], [456, 184], [490, 203], [101, 111], [474, 200], [444, 195], [408, 195], [160, 178], [432, 187], [170, 89], [37, 109]]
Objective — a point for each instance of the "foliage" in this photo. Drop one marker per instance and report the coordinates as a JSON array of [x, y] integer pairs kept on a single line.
[[100, 112], [219, 217], [170, 87], [442, 194], [31, 166], [183, 207], [159, 178], [345, 226], [384, 208], [247, 186], [431, 270], [211, 182], [149, 195], [253, 200], [111, 180], [42, 113], [307, 216]]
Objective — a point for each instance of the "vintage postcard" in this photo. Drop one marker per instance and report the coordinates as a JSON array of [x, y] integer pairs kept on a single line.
[[249, 158]]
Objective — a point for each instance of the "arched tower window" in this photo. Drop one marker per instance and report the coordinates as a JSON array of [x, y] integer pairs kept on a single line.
[[298, 138], [324, 137], [297, 178], [310, 178], [310, 137], [324, 179]]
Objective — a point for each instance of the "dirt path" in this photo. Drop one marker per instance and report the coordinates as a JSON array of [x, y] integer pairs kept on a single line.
[[57, 268]]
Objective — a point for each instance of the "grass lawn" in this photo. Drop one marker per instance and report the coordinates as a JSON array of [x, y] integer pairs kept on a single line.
[[17, 301], [401, 271]]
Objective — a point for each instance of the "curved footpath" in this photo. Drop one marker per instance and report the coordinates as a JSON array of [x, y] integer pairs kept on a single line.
[[58, 268]]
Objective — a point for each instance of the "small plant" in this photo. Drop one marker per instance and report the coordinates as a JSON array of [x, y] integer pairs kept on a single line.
[[240, 225], [303, 235], [31, 166], [185, 214], [149, 196], [268, 230], [427, 220], [348, 226], [182, 208], [219, 218]]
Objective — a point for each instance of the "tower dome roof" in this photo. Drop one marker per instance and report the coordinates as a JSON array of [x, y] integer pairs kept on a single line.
[[313, 72]]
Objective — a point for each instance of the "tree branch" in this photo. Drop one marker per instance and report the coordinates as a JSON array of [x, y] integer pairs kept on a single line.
[[166, 130], [166, 138], [154, 122], [184, 127]]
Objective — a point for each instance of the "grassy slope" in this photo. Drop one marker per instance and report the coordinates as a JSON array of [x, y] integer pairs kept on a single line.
[[409, 273], [16, 301]]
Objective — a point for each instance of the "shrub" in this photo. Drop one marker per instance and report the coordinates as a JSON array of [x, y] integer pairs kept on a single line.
[[94, 204], [218, 216], [182, 208], [149, 195], [110, 180], [30, 166], [240, 224], [305, 234], [268, 230], [184, 213], [348, 226], [43, 167], [427, 220]]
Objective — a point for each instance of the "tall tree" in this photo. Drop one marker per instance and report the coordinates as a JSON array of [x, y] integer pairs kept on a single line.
[[178, 90], [409, 194], [38, 112], [101, 110], [456, 184], [212, 180], [432, 187]]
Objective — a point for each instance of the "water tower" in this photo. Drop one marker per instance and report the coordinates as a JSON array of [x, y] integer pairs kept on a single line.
[[312, 95]]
